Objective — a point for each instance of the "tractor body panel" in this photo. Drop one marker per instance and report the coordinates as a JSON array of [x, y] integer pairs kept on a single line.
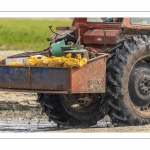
[[136, 23]]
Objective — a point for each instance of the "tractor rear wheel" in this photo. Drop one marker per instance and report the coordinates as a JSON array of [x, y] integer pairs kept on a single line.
[[128, 82], [64, 109]]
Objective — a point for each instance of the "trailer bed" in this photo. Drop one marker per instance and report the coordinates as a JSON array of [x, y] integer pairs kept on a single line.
[[88, 79]]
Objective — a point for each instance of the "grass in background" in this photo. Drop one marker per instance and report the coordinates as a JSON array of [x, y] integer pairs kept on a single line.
[[28, 34]]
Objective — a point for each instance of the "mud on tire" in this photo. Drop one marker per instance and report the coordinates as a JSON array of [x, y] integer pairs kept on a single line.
[[127, 68]]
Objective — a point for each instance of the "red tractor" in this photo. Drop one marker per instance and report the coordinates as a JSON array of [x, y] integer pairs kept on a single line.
[[115, 81]]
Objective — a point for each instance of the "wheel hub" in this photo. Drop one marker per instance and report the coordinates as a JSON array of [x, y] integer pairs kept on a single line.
[[144, 86], [82, 102], [139, 86]]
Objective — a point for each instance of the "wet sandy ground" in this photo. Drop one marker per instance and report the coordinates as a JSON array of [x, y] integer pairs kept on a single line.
[[19, 112]]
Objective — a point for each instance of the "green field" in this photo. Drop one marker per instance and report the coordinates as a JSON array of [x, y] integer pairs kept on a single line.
[[28, 33]]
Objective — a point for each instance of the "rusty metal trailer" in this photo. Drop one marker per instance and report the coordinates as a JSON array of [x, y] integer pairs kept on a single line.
[[88, 79]]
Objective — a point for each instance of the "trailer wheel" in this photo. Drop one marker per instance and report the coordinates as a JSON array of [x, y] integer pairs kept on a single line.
[[59, 110], [128, 82]]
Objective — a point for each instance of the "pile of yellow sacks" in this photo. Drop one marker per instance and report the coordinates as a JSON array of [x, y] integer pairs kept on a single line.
[[53, 61]]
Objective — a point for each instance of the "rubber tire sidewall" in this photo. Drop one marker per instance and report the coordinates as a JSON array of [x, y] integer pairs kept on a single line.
[[126, 104]]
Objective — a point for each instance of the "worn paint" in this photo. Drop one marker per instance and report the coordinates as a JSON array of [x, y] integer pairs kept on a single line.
[[97, 36], [88, 79], [50, 78], [91, 78], [35, 78], [93, 34], [127, 24], [14, 77]]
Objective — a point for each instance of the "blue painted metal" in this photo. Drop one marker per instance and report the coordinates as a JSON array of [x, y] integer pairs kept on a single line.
[[50, 78], [36, 78], [14, 77]]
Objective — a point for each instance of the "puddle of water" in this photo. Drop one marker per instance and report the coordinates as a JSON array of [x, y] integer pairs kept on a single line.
[[33, 121]]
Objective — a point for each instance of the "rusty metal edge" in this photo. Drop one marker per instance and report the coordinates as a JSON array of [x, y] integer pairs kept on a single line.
[[70, 78], [38, 91], [93, 59], [77, 92], [35, 91], [126, 24]]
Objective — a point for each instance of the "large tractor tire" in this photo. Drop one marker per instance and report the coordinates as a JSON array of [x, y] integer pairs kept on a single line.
[[128, 82], [61, 109]]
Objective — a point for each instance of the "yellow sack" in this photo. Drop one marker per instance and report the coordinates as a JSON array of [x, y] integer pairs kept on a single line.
[[83, 61], [72, 62], [44, 61], [14, 64], [68, 55], [32, 61], [57, 61], [79, 56], [39, 62]]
